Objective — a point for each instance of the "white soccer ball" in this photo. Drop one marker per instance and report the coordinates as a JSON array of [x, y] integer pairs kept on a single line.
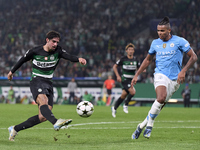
[[85, 109]]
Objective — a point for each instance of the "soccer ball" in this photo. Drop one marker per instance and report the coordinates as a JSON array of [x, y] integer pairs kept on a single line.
[[85, 109]]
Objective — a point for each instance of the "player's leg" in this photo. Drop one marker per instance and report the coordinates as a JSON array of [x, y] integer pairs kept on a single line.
[[109, 92], [128, 99], [30, 122], [164, 90], [108, 100], [118, 102], [45, 112], [159, 81], [155, 109], [152, 114]]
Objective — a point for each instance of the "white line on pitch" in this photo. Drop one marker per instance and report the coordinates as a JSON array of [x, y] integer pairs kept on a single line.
[[74, 126]]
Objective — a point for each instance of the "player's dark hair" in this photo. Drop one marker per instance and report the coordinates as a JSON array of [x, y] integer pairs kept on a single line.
[[165, 22], [52, 34], [129, 45]]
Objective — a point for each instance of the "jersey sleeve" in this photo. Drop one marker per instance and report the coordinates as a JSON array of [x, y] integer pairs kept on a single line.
[[67, 56], [184, 45], [119, 62], [138, 64], [152, 50], [27, 56]]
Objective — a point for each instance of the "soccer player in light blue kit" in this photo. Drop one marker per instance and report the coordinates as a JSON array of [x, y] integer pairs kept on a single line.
[[168, 74]]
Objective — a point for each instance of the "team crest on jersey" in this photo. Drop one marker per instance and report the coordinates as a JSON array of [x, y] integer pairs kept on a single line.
[[131, 63], [172, 45], [164, 45], [52, 57], [45, 58]]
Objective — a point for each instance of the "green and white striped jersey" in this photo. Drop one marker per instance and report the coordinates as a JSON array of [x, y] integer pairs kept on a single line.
[[129, 67], [44, 63]]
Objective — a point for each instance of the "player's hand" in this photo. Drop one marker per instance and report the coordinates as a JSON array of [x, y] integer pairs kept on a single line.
[[82, 61], [134, 81], [10, 76], [181, 77], [119, 79]]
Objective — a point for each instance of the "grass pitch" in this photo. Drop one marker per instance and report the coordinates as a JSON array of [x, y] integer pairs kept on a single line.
[[174, 129]]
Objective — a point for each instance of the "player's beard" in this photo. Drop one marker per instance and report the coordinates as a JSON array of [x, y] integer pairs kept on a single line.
[[130, 55], [52, 49]]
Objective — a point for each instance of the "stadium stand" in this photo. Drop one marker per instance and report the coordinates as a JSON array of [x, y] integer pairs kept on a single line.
[[96, 30]]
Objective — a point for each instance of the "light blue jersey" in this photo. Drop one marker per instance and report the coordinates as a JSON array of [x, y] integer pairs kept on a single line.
[[169, 55]]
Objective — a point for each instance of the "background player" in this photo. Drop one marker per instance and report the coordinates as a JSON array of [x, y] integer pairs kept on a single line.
[[129, 66], [168, 74], [44, 59]]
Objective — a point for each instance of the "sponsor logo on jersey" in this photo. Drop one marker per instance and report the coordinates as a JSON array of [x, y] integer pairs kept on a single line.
[[129, 67], [166, 53], [44, 64]]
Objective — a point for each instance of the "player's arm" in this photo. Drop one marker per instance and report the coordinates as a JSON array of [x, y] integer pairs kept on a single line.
[[191, 61], [116, 73], [72, 58], [28, 56], [143, 66]]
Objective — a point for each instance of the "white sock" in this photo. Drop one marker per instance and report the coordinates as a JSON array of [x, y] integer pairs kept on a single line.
[[144, 123], [153, 113]]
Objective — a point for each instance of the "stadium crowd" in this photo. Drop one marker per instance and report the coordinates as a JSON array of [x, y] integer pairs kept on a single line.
[[95, 30]]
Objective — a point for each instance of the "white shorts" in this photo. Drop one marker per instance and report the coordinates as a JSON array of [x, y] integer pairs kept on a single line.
[[171, 86]]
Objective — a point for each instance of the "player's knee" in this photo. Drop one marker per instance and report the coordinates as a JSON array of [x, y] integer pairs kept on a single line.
[[132, 93], [161, 99], [42, 99], [42, 118]]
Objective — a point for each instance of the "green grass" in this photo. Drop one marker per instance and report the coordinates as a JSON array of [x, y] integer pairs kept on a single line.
[[174, 129]]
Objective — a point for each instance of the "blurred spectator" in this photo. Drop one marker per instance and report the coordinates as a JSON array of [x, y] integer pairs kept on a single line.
[[24, 100], [87, 97], [96, 29], [11, 96], [72, 87], [3, 99], [149, 78], [100, 102], [186, 92]]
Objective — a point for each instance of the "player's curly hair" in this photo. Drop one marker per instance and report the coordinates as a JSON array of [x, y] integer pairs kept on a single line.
[[130, 45]]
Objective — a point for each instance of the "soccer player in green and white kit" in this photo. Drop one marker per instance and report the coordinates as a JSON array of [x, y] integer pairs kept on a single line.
[[44, 59], [129, 65]]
